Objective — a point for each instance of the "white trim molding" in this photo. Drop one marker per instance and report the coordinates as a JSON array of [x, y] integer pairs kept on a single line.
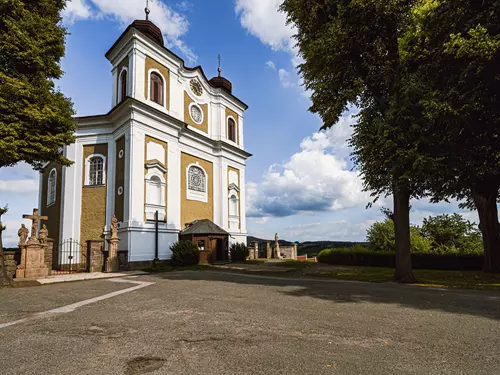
[[154, 104], [87, 169], [194, 195]]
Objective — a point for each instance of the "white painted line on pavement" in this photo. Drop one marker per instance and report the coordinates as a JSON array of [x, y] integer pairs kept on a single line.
[[74, 306]]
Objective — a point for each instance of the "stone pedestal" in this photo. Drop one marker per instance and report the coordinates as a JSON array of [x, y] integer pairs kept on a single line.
[[269, 252], [112, 261], [32, 261], [254, 250], [95, 255]]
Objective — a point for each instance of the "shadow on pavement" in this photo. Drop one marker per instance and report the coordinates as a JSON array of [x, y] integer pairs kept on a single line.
[[478, 303]]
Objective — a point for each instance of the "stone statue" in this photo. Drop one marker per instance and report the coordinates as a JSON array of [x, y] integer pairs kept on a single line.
[[114, 227], [23, 235], [43, 234], [276, 238]]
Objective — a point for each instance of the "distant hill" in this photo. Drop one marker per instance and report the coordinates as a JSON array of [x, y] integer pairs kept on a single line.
[[309, 247]]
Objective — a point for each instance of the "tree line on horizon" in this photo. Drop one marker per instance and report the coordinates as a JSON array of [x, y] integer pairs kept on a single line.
[[425, 76]]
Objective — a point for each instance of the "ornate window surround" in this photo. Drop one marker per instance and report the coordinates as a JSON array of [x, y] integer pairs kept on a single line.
[[193, 195], [120, 89], [235, 129], [193, 104], [52, 188], [87, 169], [161, 107], [151, 208]]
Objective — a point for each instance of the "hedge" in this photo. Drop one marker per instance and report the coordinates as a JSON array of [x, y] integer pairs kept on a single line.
[[370, 258]]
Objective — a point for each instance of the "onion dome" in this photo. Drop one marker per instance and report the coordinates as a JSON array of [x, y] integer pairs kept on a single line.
[[150, 29]]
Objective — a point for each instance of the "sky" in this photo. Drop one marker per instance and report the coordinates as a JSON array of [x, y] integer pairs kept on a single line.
[[300, 180]]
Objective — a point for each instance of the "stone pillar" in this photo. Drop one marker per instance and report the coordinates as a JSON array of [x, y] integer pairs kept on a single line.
[[10, 263], [294, 255], [112, 261], [255, 250], [269, 253], [95, 256], [48, 253]]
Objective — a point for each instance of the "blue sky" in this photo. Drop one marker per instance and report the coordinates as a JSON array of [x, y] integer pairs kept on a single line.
[[300, 181]]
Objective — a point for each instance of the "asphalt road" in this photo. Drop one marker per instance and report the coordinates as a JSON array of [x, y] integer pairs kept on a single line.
[[214, 323]]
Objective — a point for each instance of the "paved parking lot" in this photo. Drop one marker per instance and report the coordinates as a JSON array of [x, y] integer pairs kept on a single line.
[[216, 323]]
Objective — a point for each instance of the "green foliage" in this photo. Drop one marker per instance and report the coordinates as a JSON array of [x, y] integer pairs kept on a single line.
[[35, 118], [381, 237], [239, 252], [452, 233], [184, 254]]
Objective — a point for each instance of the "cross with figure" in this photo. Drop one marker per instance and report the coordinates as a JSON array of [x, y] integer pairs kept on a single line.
[[35, 219]]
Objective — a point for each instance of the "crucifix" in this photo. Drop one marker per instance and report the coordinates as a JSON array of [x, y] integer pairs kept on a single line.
[[35, 219], [219, 69]]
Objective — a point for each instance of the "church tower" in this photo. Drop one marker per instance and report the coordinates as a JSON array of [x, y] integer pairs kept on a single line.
[[172, 143]]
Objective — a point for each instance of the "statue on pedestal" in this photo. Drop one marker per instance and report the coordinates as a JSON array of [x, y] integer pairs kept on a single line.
[[23, 235], [43, 234]]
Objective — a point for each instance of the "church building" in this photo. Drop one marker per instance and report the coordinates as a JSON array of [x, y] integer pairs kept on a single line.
[[172, 143]]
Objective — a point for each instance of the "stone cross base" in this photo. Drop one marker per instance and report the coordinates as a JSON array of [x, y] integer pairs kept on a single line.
[[112, 261], [32, 262]]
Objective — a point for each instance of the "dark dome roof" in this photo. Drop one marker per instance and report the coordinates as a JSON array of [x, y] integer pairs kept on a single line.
[[222, 83], [150, 29]]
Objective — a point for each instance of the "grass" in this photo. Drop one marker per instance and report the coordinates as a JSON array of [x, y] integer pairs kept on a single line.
[[450, 279], [166, 268]]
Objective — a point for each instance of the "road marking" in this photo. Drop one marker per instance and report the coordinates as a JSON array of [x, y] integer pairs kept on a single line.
[[74, 306]]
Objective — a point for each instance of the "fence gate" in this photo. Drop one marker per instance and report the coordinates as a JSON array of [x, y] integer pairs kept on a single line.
[[72, 257]]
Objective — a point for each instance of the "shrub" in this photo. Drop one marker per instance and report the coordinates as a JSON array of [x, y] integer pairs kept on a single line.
[[239, 252], [185, 254], [370, 258]]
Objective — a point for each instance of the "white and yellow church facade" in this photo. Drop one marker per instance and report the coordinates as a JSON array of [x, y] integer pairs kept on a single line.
[[173, 142]]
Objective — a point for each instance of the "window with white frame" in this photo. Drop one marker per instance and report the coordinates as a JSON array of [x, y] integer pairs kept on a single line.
[[231, 130], [96, 171], [51, 187], [197, 183], [156, 88]]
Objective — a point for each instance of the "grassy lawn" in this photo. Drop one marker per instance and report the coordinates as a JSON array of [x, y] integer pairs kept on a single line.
[[450, 279]]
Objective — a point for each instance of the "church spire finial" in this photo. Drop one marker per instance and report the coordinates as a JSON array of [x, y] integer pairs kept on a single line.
[[146, 10], [219, 69]]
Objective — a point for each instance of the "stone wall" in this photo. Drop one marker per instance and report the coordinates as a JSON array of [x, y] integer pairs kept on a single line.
[[288, 252], [95, 255], [10, 263]]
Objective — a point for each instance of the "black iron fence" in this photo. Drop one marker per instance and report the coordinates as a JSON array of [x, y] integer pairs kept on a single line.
[[72, 257]]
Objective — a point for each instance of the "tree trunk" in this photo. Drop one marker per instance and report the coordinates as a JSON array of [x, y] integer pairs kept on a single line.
[[485, 200], [404, 272]]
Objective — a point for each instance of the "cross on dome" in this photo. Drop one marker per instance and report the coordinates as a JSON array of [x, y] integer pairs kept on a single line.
[[146, 10]]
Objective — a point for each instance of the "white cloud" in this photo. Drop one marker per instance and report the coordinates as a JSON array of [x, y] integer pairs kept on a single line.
[[317, 178], [271, 65], [285, 78], [75, 10], [173, 24], [19, 186], [262, 19]]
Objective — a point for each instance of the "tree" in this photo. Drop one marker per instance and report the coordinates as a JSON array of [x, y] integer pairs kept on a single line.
[[452, 233], [381, 237], [454, 49], [352, 56], [35, 118]]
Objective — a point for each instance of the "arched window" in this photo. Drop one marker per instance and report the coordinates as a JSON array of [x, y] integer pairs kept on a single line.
[[196, 178], [96, 171], [231, 130], [154, 193], [51, 188], [123, 85], [156, 88], [233, 205]]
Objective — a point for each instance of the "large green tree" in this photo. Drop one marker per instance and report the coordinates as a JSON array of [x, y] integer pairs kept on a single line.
[[453, 51], [35, 118], [353, 56]]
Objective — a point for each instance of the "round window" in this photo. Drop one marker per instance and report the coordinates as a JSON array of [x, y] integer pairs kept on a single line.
[[196, 114], [120, 190], [120, 154]]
